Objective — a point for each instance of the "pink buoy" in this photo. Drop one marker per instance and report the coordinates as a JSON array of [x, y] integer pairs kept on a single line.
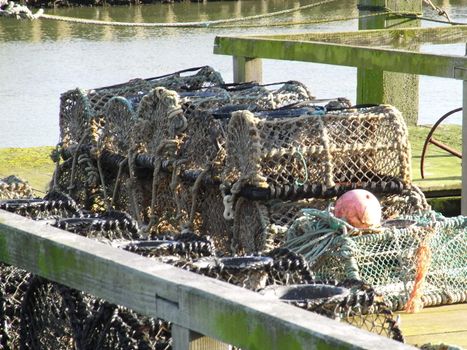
[[359, 208]]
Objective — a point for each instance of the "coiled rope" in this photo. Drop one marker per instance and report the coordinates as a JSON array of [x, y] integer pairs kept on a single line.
[[203, 24]]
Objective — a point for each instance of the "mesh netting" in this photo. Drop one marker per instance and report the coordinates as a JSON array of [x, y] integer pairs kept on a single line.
[[12, 187], [13, 286], [78, 107], [349, 301], [178, 132], [50, 316], [422, 255], [57, 317], [261, 225], [368, 147]]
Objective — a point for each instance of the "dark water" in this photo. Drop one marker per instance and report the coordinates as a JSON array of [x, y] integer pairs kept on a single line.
[[39, 60]]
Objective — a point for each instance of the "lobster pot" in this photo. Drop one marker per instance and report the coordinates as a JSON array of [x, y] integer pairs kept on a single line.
[[184, 135], [203, 141], [78, 107], [423, 252], [318, 155], [12, 187], [261, 225]]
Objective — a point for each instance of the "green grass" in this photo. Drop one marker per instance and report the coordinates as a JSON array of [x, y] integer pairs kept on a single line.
[[30, 164], [441, 169]]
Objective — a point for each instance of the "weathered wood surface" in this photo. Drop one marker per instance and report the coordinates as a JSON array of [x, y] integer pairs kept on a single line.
[[376, 86], [403, 38], [447, 66], [464, 149], [442, 324], [247, 69], [200, 304]]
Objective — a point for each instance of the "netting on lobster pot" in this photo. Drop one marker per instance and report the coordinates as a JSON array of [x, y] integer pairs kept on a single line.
[[275, 164], [95, 120], [413, 261], [261, 225], [54, 316], [12, 187], [202, 151], [78, 177], [53, 205], [107, 227], [180, 133], [13, 286], [78, 106], [350, 301], [208, 115], [312, 155]]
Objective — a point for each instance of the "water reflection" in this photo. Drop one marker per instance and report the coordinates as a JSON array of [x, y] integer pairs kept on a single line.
[[39, 60], [45, 30]]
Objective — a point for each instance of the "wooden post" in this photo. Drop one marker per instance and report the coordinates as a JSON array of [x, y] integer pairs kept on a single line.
[[185, 339], [464, 148], [247, 69], [377, 86]]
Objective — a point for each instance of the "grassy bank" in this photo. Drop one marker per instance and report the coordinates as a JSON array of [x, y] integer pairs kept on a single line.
[[441, 169], [31, 164]]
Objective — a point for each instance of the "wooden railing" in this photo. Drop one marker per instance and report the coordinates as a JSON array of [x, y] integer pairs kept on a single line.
[[201, 309]]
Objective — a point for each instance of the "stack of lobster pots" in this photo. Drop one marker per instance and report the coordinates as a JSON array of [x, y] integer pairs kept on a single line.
[[186, 151]]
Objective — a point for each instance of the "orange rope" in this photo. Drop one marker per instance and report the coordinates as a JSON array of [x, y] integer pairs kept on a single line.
[[423, 259]]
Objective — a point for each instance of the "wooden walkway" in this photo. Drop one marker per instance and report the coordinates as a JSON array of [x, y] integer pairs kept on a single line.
[[436, 325]]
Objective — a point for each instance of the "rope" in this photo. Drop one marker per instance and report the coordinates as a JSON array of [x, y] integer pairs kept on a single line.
[[322, 230], [423, 261], [203, 24], [429, 19], [441, 12], [313, 21], [305, 169]]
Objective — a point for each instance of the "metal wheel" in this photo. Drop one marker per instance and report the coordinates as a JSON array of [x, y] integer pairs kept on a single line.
[[430, 139]]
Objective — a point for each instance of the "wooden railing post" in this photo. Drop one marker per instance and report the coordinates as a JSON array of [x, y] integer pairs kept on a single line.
[[247, 69], [377, 86], [464, 148], [185, 339]]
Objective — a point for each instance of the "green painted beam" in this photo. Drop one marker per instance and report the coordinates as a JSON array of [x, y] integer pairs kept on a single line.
[[396, 37], [381, 87], [446, 66]]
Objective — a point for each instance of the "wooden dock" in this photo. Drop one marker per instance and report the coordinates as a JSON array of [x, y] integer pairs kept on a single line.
[[441, 324]]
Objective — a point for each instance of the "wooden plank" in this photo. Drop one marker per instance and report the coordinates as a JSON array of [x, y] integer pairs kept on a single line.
[[231, 314], [452, 338], [435, 320], [447, 66], [464, 149], [441, 324], [403, 38], [184, 339]]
